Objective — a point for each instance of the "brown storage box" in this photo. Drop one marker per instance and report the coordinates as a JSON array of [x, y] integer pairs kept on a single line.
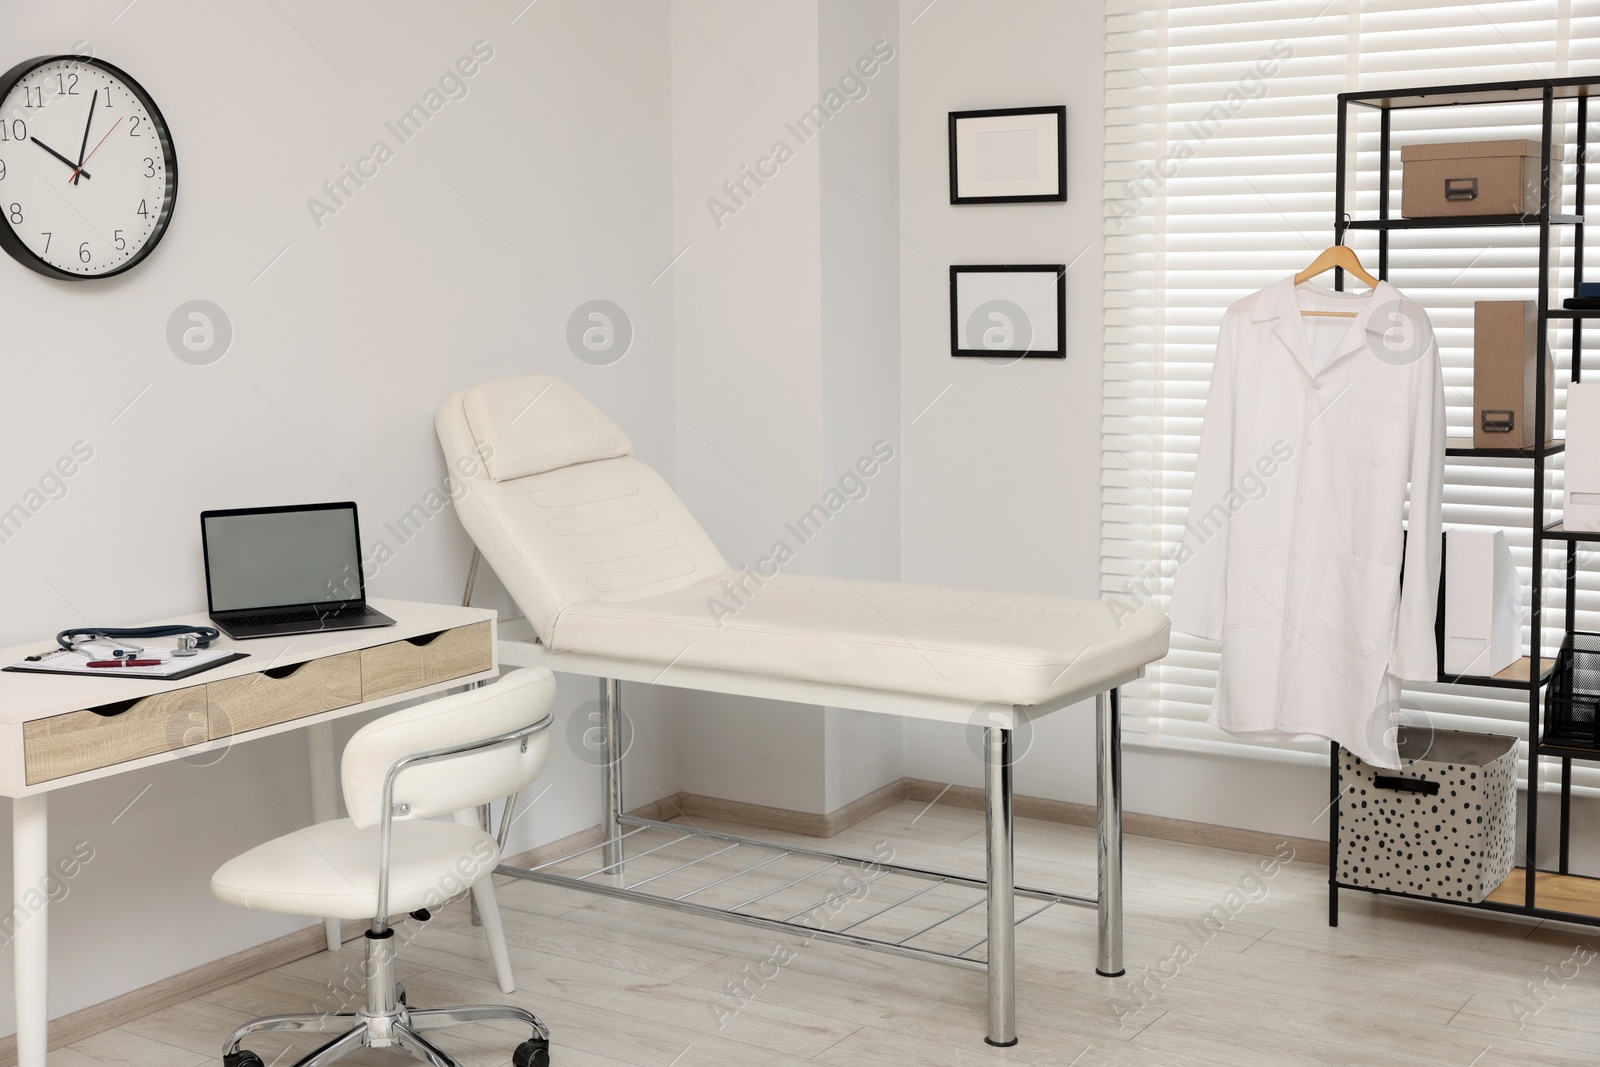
[[1474, 178], [1504, 342]]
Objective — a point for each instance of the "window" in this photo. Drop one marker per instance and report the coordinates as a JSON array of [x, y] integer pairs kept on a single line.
[[1220, 142]]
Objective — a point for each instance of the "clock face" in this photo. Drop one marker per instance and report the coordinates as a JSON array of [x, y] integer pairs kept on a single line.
[[87, 172]]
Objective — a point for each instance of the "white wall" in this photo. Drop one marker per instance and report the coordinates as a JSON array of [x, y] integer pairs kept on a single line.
[[787, 350], [1001, 465], [860, 195], [1002, 473], [747, 288], [556, 163]]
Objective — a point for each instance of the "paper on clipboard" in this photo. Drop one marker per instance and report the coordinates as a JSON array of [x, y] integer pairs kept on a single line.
[[68, 661]]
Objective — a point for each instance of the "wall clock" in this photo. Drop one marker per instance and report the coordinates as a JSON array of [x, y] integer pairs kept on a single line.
[[88, 176]]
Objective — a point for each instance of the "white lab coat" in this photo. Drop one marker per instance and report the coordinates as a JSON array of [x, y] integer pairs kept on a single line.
[[1292, 551]]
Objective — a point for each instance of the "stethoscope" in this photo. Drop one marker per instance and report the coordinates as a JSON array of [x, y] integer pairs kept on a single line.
[[190, 639]]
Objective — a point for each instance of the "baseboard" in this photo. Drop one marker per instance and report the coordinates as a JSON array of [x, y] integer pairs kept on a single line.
[[198, 981], [1182, 831], [811, 824]]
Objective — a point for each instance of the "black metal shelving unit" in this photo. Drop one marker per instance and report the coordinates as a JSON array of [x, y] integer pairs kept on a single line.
[[1578, 896]]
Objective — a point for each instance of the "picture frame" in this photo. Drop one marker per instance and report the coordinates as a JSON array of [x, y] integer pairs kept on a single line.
[[1012, 155], [1009, 311]]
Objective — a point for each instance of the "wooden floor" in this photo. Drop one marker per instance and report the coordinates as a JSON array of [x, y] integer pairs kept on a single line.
[[1228, 964]]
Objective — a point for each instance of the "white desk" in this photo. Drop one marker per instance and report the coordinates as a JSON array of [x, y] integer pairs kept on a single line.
[[58, 731]]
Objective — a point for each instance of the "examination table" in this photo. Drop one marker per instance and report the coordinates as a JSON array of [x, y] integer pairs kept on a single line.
[[616, 581]]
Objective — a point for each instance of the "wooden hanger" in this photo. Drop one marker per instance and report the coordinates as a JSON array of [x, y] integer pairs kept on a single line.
[[1335, 256]]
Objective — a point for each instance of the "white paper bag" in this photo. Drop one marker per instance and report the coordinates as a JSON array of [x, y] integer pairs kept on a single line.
[[1581, 495], [1482, 604]]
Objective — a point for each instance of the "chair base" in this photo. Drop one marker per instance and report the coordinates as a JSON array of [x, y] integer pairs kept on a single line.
[[401, 1028]]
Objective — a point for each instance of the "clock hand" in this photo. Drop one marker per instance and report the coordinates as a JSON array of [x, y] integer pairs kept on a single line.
[[93, 100], [92, 151], [59, 156]]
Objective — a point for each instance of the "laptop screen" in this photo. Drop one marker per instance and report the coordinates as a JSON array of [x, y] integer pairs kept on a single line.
[[274, 557]]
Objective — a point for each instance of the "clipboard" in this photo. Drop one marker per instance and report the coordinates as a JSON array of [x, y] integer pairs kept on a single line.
[[206, 664]]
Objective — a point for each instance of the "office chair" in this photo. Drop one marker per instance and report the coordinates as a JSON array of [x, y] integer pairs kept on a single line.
[[389, 857]]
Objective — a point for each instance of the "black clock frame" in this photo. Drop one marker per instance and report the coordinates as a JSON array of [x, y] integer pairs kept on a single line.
[[14, 245]]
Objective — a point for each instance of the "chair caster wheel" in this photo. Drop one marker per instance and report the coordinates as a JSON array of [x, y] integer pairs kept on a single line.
[[534, 1052], [242, 1058]]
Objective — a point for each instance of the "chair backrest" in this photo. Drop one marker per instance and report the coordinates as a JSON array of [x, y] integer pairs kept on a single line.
[[548, 489], [520, 698]]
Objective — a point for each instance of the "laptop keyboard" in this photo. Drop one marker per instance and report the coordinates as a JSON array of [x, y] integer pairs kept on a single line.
[[277, 617]]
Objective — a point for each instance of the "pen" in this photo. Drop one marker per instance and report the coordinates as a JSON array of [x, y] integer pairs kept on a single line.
[[124, 663]]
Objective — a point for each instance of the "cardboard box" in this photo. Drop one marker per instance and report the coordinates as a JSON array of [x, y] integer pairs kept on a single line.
[[1581, 493], [1475, 178], [1482, 604], [1504, 384]]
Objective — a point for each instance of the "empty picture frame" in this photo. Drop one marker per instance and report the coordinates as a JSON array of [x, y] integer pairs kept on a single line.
[[1009, 311], [1013, 155]]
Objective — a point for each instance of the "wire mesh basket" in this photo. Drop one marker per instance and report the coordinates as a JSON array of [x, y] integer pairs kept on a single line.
[[1574, 694]]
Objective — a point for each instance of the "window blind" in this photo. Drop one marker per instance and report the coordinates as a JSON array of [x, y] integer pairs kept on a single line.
[[1220, 128]]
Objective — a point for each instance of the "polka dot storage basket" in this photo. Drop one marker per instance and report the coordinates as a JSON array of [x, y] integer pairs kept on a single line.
[[1443, 825]]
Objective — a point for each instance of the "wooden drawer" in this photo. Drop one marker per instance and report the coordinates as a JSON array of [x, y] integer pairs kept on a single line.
[[113, 733], [401, 666], [279, 694]]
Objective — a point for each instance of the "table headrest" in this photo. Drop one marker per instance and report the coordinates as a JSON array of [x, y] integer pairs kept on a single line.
[[538, 423]]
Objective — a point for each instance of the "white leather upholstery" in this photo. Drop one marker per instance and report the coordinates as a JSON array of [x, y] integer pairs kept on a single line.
[[957, 643], [604, 559], [461, 781], [606, 529], [331, 868], [535, 424]]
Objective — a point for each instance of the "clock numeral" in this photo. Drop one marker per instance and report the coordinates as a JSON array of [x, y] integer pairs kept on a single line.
[[143, 210], [149, 167], [83, 252], [2, 170], [117, 236], [15, 130], [133, 128], [46, 239], [15, 213], [64, 87], [29, 95]]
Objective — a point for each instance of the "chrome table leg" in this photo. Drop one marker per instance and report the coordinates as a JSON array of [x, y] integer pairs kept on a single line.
[[611, 770], [1108, 802], [1002, 881]]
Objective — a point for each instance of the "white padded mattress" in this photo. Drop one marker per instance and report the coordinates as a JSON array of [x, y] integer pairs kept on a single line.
[[962, 644]]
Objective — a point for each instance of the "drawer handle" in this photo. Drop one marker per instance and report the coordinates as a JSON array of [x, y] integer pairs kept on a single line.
[[1461, 188], [276, 673], [1406, 785], [113, 709], [1498, 421], [423, 640]]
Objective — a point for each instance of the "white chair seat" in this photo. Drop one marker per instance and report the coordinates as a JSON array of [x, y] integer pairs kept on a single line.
[[963, 644], [331, 869]]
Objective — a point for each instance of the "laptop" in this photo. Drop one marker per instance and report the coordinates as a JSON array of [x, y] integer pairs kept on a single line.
[[286, 570]]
